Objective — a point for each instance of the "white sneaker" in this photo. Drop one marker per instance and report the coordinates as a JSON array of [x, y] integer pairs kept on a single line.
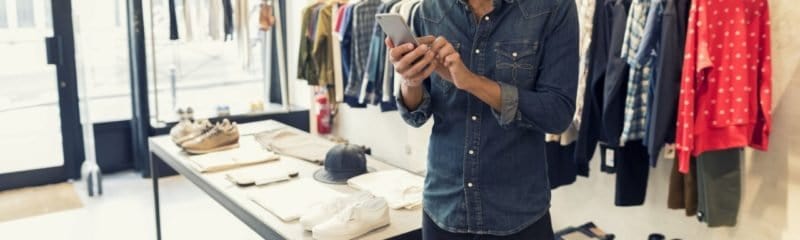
[[354, 221], [323, 212]]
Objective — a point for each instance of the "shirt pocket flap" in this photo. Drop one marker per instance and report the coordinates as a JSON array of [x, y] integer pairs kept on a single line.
[[516, 49]]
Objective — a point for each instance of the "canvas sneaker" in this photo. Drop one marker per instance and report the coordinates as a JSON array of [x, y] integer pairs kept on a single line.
[[223, 136], [186, 130], [355, 220], [325, 211]]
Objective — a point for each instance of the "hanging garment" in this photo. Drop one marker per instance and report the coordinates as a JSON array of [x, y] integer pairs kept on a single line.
[[227, 11], [387, 100], [725, 96], [591, 127], [173, 21], [372, 83], [305, 61], [200, 11], [719, 187], [632, 171], [640, 73], [315, 20], [345, 32], [242, 24], [586, 9], [187, 19], [363, 23], [214, 21], [265, 18], [561, 168], [683, 190], [616, 79], [648, 49], [336, 51], [322, 50], [661, 124]]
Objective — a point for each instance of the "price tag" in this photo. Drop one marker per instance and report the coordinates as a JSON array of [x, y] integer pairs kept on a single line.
[[609, 158]]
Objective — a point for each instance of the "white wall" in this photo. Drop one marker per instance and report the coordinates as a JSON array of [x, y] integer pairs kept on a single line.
[[387, 134], [771, 191]]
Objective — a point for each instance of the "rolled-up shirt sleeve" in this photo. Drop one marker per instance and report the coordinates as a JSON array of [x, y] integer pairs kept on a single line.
[[550, 105], [419, 116]]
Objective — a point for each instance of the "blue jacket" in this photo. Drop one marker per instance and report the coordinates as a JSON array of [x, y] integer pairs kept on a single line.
[[487, 172]]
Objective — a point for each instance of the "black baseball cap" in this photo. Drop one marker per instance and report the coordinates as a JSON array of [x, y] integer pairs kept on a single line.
[[342, 162]]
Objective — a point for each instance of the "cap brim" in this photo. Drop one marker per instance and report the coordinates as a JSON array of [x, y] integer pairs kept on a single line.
[[325, 177]]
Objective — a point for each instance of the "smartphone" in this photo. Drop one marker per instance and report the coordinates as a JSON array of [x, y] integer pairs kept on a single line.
[[396, 28]]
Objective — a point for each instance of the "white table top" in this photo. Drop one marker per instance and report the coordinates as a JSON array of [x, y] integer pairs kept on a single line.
[[402, 221]]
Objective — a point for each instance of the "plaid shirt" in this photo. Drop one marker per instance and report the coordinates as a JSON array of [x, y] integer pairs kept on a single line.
[[363, 22], [635, 124]]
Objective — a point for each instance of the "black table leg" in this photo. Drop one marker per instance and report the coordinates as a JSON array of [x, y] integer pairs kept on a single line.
[[154, 177]]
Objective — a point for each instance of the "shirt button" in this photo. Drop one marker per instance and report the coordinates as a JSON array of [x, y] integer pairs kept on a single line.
[[474, 118], [471, 152], [477, 51], [486, 18], [469, 184]]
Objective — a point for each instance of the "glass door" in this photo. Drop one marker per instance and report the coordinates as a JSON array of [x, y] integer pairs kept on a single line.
[[40, 131]]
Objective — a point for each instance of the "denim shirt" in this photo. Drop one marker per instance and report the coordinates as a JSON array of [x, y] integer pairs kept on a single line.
[[487, 172]]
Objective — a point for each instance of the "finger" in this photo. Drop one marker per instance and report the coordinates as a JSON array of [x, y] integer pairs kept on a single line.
[[397, 53], [419, 77], [427, 40], [439, 43], [411, 57], [452, 59], [421, 64], [388, 42], [445, 52]]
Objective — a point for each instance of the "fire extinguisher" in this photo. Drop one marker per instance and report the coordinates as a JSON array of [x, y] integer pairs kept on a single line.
[[323, 114]]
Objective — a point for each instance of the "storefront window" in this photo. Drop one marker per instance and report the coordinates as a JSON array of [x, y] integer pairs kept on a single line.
[[3, 14], [102, 54], [202, 68], [25, 17]]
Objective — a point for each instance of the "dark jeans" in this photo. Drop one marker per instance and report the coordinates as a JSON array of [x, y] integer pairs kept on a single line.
[[541, 229]]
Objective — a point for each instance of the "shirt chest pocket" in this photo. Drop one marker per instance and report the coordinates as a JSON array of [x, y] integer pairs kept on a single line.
[[516, 61]]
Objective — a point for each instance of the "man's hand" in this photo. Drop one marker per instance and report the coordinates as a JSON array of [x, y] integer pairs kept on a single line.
[[448, 57], [440, 69], [413, 63]]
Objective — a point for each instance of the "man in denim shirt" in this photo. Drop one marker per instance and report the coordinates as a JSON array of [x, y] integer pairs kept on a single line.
[[506, 74]]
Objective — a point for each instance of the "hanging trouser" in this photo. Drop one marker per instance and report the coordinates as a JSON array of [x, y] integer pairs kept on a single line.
[[633, 168], [719, 187]]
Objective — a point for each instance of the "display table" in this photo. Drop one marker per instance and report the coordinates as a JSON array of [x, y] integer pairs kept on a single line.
[[405, 224]]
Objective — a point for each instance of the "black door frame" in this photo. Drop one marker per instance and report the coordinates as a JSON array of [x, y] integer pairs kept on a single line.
[[62, 53]]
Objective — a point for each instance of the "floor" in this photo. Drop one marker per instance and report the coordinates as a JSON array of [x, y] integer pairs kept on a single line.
[[125, 211]]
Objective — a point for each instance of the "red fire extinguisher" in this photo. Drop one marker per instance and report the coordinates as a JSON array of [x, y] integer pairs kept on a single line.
[[323, 114]]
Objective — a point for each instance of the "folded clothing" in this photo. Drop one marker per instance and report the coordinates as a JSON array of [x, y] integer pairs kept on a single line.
[[400, 188], [290, 200], [247, 154], [295, 144], [262, 175]]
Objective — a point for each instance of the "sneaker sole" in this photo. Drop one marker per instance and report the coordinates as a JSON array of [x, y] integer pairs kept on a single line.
[[232, 146], [372, 228]]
